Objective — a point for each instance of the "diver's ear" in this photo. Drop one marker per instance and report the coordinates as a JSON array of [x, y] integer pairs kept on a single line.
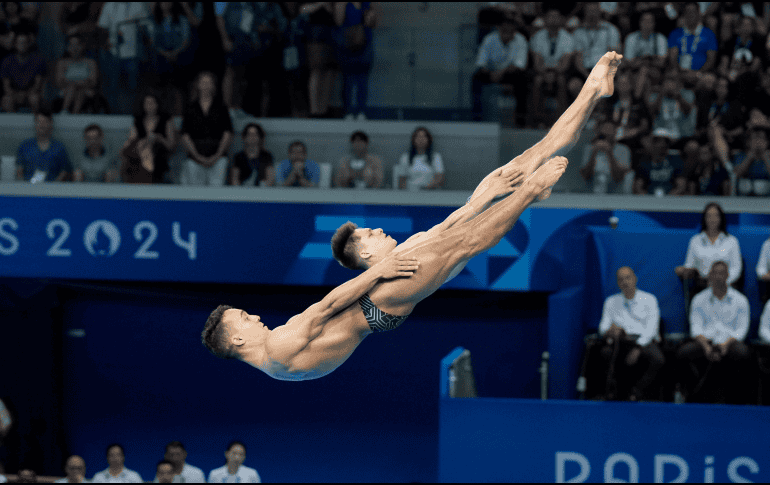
[[364, 254], [237, 339]]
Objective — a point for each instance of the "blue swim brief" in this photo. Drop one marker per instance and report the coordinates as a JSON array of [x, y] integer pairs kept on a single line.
[[378, 320]]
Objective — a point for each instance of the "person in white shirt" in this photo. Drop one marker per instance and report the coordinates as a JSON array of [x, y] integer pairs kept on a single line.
[[234, 471], [592, 39], [120, 65], [719, 322], [645, 47], [764, 325], [763, 272], [552, 49], [421, 168], [502, 59], [75, 469], [630, 329], [712, 244], [183, 472], [116, 472]]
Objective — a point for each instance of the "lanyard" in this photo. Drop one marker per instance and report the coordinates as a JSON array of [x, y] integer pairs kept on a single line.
[[695, 41]]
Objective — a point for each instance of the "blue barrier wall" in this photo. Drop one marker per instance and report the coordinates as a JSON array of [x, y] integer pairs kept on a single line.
[[512, 440]]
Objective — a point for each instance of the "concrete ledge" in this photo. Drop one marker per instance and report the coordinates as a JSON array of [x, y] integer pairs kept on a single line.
[[442, 198]]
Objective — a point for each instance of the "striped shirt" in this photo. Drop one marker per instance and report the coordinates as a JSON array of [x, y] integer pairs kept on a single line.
[[718, 320], [701, 254]]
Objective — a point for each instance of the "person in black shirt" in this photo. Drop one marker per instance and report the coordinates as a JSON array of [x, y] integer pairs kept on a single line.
[[709, 176], [207, 132], [253, 165]]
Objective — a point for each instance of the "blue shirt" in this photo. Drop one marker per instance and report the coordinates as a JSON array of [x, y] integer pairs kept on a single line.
[[312, 172], [692, 46], [52, 161], [757, 170]]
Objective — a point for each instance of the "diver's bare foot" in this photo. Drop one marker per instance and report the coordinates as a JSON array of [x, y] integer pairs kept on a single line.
[[548, 174], [603, 74]]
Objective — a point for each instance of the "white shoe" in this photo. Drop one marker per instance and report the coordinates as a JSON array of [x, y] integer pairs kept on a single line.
[[361, 117], [349, 117]]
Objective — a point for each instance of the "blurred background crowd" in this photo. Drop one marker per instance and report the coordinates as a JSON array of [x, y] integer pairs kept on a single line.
[[689, 115]]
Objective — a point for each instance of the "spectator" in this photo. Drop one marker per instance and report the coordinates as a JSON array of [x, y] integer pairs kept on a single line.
[[711, 176], [693, 46], [96, 163], [139, 163], [42, 158], [715, 105], [77, 78], [164, 472], [741, 58], [552, 49], [501, 59], [355, 52], [630, 330], [253, 165], [320, 55], [80, 18], [234, 470], [15, 19], [297, 170], [360, 169], [629, 115], [719, 322], [763, 272], [606, 163], [5, 426], [661, 172], [752, 165], [764, 325], [265, 72], [207, 132], [155, 125], [120, 61], [116, 472], [170, 40], [235, 21], [26, 475], [295, 99], [75, 469], [672, 109], [712, 244], [22, 74], [184, 472], [594, 38], [421, 168], [646, 47]]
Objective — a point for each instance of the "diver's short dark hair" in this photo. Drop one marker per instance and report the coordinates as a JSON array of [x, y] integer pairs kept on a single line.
[[214, 335], [344, 246]]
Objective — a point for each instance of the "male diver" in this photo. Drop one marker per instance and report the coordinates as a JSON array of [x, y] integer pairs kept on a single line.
[[398, 276]]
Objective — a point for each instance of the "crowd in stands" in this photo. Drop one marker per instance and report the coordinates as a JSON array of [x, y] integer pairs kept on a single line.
[[171, 468], [690, 114], [715, 362]]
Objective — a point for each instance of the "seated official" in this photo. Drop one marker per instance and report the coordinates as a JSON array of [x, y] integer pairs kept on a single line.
[[713, 363], [713, 243], [763, 271], [630, 357], [360, 169]]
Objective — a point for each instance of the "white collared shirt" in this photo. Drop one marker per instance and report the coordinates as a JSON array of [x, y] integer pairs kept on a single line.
[[494, 55], [701, 254], [594, 43], [552, 50], [639, 315], [243, 475], [125, 476], [637, 46], [763, 264], [718, 320], [764, 324]]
